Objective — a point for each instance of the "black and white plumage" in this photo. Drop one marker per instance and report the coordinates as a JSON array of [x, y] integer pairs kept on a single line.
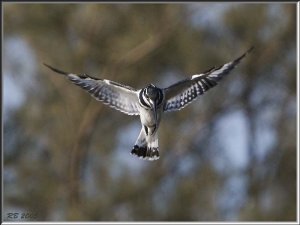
[[150, 102]]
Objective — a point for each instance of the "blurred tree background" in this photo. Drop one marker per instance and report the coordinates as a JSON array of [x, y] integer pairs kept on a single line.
[[229, 156]]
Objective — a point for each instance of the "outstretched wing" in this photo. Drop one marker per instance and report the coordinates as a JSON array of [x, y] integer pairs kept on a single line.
[[118, 96], [184, 92]]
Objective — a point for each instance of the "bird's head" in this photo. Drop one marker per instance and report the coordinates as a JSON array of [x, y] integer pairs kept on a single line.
[[152, 92]]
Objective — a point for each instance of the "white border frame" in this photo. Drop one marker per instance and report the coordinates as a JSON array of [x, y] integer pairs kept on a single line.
[[160, 222]]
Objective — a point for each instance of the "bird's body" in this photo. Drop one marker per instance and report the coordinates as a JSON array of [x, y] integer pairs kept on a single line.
[[150, 102]]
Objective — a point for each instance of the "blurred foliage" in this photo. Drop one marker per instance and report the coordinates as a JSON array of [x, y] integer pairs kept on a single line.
[[62, 145]]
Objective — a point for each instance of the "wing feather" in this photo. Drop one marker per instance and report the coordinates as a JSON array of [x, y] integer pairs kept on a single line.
[[184, 92], [113, 94]]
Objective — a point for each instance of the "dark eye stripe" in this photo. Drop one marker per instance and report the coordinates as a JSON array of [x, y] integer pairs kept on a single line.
[[142, 99], [160, 97]]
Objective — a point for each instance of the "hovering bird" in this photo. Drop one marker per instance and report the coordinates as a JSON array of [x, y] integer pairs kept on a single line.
[[150, 102]]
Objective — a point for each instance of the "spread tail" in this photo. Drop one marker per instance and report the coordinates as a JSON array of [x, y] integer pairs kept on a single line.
[[146, 147]]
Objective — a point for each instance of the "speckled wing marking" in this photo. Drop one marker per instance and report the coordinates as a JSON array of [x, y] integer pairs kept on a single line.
[[118, 96], [184, 92]]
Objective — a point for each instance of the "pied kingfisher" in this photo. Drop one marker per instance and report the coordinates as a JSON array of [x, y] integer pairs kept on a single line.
[[150, 102]]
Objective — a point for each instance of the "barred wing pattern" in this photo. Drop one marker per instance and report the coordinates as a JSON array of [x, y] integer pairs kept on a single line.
[[117, 96], [184, 92]]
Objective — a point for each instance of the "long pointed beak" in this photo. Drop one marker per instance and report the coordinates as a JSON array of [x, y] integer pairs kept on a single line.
[[154, 110]]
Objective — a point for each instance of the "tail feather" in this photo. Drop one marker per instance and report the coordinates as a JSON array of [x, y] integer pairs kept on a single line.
[[145, 152], [146, 147]]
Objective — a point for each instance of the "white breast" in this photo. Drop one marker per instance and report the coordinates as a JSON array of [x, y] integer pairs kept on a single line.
[[148, 118]]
